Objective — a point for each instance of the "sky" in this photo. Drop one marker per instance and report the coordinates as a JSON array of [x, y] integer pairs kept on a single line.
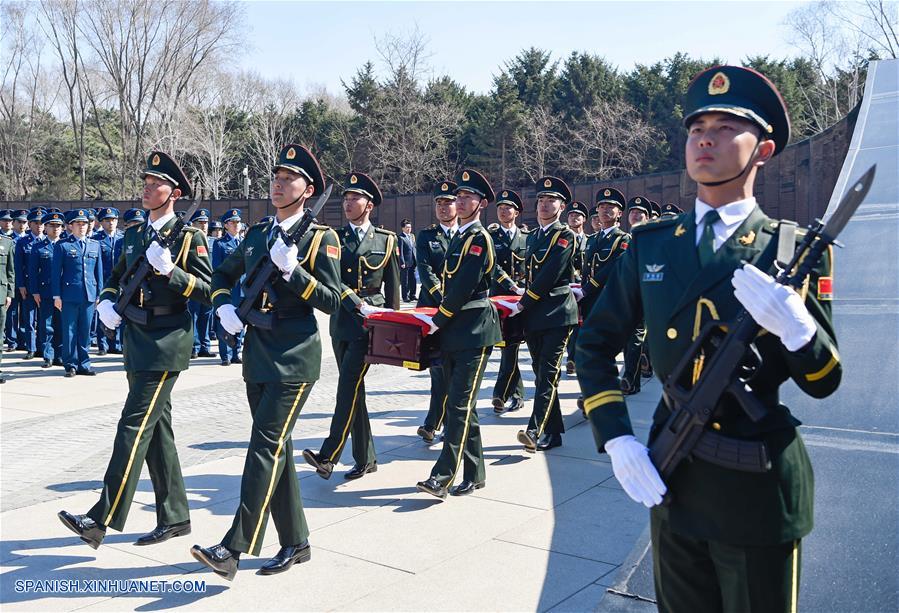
[[317, 44]]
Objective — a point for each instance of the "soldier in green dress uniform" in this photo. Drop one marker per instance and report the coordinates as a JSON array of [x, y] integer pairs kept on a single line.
[[280, 365], [469, 326], [430, 251], [639, 210], [729, 539], [510, 243], [577, 218], [370, 281], [7, 285], [155, 354], [549, 308]]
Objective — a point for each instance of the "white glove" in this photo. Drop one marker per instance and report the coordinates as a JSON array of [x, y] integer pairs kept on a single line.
[[634, 470], [367, 309], [518, 290], [777, 308], [578, 293], [512, 306], [230, 321], [428, 320], [107, 314], [160, 258], [284, 257]]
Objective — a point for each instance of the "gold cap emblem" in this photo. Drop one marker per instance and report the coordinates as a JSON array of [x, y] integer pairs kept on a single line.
[[547, 183], [291, 153], [719, 84], [354, 179], [505, 194], [608, 192], [465, 176], [444, 187], [155, 161]]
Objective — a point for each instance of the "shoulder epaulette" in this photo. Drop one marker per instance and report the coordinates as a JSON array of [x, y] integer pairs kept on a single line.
[[384, 231], [492, 227], [433, 226], [319, 226], [660, 223]]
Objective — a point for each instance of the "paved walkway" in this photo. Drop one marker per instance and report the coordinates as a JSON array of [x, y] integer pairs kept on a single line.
[[549, 532]]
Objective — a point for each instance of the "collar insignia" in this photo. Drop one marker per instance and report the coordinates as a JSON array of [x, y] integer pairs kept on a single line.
[[680, 230], [748, 239]]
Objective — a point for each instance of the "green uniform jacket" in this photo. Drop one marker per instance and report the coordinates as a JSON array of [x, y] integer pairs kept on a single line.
[[466, 317], [510, 255], [548, 301], [600, 257], [660, 279], [430, 251], [364, 267], [579, 258], [166, 342], [291, 351], [7, 269]]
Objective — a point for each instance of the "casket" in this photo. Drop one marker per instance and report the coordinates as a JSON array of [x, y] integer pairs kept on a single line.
[[397, 338], [512, 327]]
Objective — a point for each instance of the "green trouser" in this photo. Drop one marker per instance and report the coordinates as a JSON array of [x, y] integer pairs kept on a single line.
[[710, 576], [269, 482], [2, 329], [508, 380], [350, 412], [632, 352], [437, 408], [144, 432], [464, 371], [547, 348], [572, 343]]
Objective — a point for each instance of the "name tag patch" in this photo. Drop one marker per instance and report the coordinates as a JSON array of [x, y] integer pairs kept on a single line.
[[653, 273]]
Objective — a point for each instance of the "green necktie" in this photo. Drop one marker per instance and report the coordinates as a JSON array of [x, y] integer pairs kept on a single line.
[[707, 242]]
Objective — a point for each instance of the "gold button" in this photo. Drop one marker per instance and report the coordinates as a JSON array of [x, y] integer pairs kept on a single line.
[[716, 425], [349, 270], [672, 333]]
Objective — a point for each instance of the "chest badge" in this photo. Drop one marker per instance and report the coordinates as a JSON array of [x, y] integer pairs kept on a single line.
[[249, 251], [130, 249], [748, 239], [653, 273]]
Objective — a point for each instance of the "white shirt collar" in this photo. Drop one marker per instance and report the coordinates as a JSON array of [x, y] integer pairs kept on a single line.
[[364, 227], [465, 227], [159, 224], [288, 223], [446, 229], [546, 227], [731, 214], [605, 231]]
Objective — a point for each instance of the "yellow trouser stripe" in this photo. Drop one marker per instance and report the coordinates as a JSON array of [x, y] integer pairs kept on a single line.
[[309, 289], [219, 292], [346, 428], [271, 482], [140, 431], [817, 376], [602, 398], [511, 376], [471, 403], [191, 282], [533, 295], [794, 579], [552, 396], [442, 414]]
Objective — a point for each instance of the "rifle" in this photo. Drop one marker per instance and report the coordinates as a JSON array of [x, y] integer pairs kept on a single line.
[[139, 272], [721, 363], [261, 278]]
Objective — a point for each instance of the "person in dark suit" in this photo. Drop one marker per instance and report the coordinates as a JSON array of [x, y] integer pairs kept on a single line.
[[407, 261]]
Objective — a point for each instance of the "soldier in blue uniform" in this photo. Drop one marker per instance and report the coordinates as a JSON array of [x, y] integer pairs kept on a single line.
[[76, 281], [201, 313], [221, 249], [40, 271], [27, 309], [108, 236]]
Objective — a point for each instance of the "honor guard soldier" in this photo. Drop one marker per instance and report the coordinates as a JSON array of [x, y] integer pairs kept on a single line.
[[201, 313], [27, 332], [216, 229], [6, 223], [655, 211], [155, 354], [75, 281], [577, 217], [221, 250], [40, 279], [369, 264], [549, 307], [430, 252], [469, 325], [108, 236], [15, 338], [510, 243], [730, 538], [671, 210], [282, 365], [639, 211], [133, 217], [7, 285]]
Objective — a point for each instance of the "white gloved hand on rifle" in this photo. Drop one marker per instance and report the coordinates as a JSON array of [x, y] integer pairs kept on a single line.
[[635, 471], [230, 321], [284, 257], [160, 258], [107, 314]]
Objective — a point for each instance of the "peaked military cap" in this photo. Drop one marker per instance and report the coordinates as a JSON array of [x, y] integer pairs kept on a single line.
[[77, 215], [610, 195], [553, 186], [671, 209], [108, 213], [231, 215], [654, 209], [57, 218], [38, 208], [297, 158], [445, 189], [160, 165], [742, 92], [36, 215], [215, 224], [54, 209], [200, 215], [20, 215], [360, 183], [640, 203], [134, 215], [470, 180], [510, 197], [5, 215], [579, 207]]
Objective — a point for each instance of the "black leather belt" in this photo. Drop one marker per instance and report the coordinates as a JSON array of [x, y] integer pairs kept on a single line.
[[170, 309], [367, 293], [291, 313]]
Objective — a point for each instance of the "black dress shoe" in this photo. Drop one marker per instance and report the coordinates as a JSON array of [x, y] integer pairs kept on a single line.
[[431, 486], [498, 405], [528, 438], [87, 372], [226, 362], [101, 352], [47, 364], [360, 470], [513, 404], [57, 361], [580, 405], [287, 557], [237, 361], [466, 487], [205, 353], [219, 558], [163, 533], [569, 367], [322, 467], [426, 434], [193, 355], [29, 356], [70, 372], [90, 531], [627, 389], [548, 441], [115, 351]]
